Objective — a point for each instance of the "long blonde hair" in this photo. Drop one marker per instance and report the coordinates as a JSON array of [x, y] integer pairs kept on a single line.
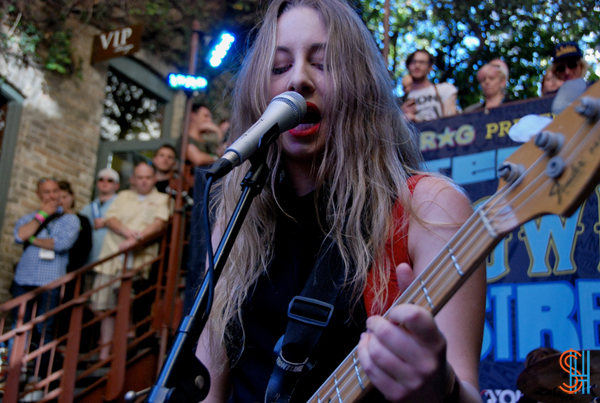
[[369, 154]]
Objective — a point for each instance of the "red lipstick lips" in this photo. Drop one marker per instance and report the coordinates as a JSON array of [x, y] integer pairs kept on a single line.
[[310, 124]]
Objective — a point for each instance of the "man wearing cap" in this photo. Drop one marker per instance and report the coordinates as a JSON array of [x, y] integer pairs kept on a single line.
[[568, 62], [569, 66], [107, 184]]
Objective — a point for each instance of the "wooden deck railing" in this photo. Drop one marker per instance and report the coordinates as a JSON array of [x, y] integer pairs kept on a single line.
[[69, 366]]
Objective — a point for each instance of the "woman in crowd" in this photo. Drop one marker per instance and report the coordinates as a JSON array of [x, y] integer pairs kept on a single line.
[[82, 246], [550, 83], [345, 188], [492, 79], [78, 253]]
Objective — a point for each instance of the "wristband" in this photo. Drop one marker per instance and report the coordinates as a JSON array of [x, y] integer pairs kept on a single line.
[[43, 214], [31, 239], [40, 218]]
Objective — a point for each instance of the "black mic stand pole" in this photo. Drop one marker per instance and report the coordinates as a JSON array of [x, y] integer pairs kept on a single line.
[[183, 378]]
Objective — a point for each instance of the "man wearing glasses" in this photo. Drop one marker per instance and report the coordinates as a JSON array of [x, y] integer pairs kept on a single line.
[[427, 100], [107, 185]]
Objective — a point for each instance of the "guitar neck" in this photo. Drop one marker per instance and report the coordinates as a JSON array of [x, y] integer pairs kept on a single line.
[[431, 290]]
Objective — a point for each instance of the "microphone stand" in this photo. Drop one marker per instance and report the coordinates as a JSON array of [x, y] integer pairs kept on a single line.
[[183, 378]]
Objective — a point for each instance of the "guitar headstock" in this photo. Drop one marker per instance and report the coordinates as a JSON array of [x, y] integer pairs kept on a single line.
[[553, 172]]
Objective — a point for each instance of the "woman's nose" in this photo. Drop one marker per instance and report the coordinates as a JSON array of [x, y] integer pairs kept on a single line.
[[301, 80]]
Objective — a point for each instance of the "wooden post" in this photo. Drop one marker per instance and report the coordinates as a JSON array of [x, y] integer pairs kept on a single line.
[[177, 229], [67, 382], [11, 389], [116, 377], [386, 32]]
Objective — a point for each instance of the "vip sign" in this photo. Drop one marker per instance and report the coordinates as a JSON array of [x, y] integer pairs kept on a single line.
[[117, 43]]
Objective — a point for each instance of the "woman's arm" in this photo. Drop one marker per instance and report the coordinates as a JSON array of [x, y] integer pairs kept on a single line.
[[411, 357], [219, 377]]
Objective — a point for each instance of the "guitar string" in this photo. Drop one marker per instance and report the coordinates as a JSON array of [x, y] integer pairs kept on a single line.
[[443, 265]]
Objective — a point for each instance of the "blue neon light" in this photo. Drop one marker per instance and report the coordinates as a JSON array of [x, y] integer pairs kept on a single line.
[[187, 82], [221, 49]]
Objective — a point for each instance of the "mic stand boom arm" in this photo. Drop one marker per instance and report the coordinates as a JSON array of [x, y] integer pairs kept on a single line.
[[183, 378]]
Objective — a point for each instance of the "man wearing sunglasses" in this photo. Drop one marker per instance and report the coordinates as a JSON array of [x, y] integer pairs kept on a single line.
[[569, 66], [568, 62], [107, 184]]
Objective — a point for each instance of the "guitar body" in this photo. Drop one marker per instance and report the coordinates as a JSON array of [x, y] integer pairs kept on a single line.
[[553, 173]]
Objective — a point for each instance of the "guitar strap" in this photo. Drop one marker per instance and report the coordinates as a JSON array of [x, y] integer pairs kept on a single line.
[[309, 314]]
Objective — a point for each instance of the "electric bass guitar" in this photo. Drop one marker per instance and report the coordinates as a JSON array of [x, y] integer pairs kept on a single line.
[[553, 173]]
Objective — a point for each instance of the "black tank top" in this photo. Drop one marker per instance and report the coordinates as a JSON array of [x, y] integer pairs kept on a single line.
[[297, 245]]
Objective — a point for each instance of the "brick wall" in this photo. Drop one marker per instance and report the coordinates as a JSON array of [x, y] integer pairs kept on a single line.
[[59, 135]]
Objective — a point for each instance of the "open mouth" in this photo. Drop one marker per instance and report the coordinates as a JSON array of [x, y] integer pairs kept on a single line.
[[310, 123]]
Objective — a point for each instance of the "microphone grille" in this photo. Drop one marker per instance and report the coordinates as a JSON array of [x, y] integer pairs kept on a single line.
[[295, 101]]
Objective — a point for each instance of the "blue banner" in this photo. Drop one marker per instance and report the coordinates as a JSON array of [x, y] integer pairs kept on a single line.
[[543, 278]]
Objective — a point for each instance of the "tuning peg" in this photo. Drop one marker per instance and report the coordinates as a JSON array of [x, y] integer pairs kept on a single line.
[[510, 171], [549, 142], [555, 167], [590, 108]]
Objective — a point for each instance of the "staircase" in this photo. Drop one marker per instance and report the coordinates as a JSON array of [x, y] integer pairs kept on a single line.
[[69, 368]]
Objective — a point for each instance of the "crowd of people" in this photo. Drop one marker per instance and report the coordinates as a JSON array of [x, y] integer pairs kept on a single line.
[[424, 100], [57, 239]]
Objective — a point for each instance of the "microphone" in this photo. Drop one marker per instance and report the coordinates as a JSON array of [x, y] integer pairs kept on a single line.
[[285, 111]]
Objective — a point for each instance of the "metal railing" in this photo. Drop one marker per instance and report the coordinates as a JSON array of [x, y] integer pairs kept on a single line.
[[55, 356]]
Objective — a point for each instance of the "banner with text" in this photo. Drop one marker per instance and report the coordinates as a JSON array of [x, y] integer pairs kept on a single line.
[[543, 278]]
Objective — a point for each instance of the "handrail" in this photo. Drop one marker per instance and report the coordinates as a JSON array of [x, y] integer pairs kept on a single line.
[[50, 370]]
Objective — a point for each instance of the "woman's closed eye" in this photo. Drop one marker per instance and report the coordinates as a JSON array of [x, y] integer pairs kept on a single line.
[[281, 70]]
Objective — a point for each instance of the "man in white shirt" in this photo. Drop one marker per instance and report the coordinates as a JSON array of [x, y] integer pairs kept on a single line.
[[107, 184], [427, 100]]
